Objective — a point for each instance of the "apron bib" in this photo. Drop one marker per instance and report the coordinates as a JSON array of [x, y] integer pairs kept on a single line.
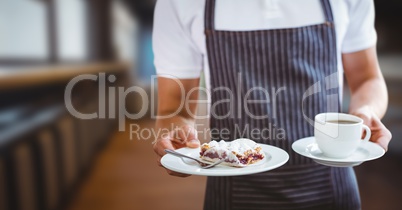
[[287, 76]]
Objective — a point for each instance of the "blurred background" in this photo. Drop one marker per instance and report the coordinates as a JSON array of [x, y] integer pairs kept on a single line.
[[52, 160]]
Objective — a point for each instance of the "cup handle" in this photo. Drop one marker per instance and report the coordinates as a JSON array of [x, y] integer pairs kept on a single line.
[[368, 133]]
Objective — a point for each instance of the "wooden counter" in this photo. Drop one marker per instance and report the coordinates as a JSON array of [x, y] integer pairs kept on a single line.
[[11, 78]]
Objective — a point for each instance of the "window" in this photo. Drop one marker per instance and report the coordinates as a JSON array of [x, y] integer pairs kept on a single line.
[[23, 30], [70, 22], [43, 31]]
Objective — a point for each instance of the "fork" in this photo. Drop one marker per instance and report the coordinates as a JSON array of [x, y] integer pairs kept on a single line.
[[202, 164]]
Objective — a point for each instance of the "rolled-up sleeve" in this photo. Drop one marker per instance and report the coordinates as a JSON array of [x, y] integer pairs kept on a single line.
[[176, 55], [360, 33]]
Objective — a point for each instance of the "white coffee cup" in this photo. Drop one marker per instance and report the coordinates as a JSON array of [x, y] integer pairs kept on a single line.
[[338, 135]]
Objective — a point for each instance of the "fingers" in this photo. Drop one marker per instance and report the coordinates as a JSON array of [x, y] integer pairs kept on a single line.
[[172, 173], [186, 136], [381, 135], [162, 144], [190, 135], [367, 118], [383, 142], [159, 147], [382, 138]]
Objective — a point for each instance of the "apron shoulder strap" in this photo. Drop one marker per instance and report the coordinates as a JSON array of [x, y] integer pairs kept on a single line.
[[326, 6], [209, 16]]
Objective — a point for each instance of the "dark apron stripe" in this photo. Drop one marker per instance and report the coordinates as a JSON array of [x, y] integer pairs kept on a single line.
[[345, 179]]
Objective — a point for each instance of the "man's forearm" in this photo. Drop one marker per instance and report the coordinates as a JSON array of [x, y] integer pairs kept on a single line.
[[173, 112], [173, 122], [371, 94]]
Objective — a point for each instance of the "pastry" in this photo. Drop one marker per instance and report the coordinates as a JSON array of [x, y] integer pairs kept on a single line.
[[238, 153]]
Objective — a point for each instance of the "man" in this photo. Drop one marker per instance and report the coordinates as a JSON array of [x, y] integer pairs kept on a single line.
[[286, 46]]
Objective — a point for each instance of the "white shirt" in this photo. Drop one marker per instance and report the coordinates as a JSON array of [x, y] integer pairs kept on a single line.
[[179, 41]]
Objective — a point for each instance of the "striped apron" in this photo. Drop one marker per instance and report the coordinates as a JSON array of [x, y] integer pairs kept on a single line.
[[288, 76]]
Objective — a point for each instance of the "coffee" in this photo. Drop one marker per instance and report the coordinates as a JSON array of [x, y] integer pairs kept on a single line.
[[341, 121]]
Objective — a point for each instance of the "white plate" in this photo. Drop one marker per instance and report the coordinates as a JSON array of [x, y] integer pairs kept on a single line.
[[274, 158], [365, 152]]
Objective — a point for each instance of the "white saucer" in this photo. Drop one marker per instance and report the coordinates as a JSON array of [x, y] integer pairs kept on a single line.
[[365, 152]]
